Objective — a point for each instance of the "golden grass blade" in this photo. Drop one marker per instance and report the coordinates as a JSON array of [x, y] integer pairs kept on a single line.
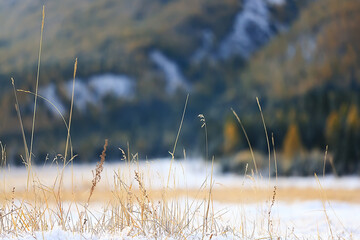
[[323, 201], [177, 138], [20, 120], [51, 103], [209, 201], [325, 157], [71, 112], [203, 125], [3, 155], [275, 160], [266, 134], [247, 139], [56, 109], [37, 85]]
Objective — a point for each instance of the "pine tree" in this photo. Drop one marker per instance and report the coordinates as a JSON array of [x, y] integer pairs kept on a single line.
[[332, 129], [292, 143], [350, 151], [231, 136], [342, 133]]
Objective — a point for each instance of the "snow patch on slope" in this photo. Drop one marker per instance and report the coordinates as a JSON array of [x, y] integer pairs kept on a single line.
[[53, 101], [93, 90], [251, 30], [119, 86], [276, 2], [89, 92], [82, 95], [174, 77], [204, 51], [308, 46]]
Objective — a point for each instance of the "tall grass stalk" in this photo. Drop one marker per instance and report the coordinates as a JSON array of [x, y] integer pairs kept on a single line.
[[275, 158], [266, 134], [203, 125], [177, 138], [17, 108], [3, 155], [325, 157], [323, 201], [36, 90], [209, 201], [247, 139], [71, 113]]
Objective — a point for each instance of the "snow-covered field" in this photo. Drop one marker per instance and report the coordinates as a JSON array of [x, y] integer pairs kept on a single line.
[[300, 220], [319, 218], [184, 174]]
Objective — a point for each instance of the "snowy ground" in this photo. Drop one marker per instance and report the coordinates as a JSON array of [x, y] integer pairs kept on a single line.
[[301, 220], [316, 219], [184, 174]]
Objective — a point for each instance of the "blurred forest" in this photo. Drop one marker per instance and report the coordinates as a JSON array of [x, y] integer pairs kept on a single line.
[[300, 57]]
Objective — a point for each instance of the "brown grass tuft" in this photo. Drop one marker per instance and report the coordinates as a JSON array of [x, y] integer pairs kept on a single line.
[[98, 170], [270, 223]]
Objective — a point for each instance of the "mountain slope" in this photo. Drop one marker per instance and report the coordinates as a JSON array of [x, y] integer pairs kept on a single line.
[[105, 35], [320, 49], [160, 49], [310, 77]]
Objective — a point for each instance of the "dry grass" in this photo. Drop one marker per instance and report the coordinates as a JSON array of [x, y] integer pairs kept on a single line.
[[98, 171], [223, 195], [42, 207], [129, 204]]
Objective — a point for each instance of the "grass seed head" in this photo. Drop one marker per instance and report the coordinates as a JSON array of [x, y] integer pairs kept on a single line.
[[98, 170]]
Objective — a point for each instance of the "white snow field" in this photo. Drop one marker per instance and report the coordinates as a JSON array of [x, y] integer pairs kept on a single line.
[[301, 220], [184, 174], [315, 219]]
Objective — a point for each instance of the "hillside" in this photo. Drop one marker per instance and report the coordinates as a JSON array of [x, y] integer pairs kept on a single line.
[[310, 77], [139, 59], [320, 49], [147, 48], [111, 38], [106, 35]]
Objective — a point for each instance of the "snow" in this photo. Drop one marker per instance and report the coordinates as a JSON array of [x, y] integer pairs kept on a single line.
[[308, 46], [187, 173], [119, 86], [299, 220], [174, 77], [49, 92], [93, 90], [251, 30], [204, 51], [58, 234], [290, 51], [82, 94], [89, 91], [276, 2], [239, 220]]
